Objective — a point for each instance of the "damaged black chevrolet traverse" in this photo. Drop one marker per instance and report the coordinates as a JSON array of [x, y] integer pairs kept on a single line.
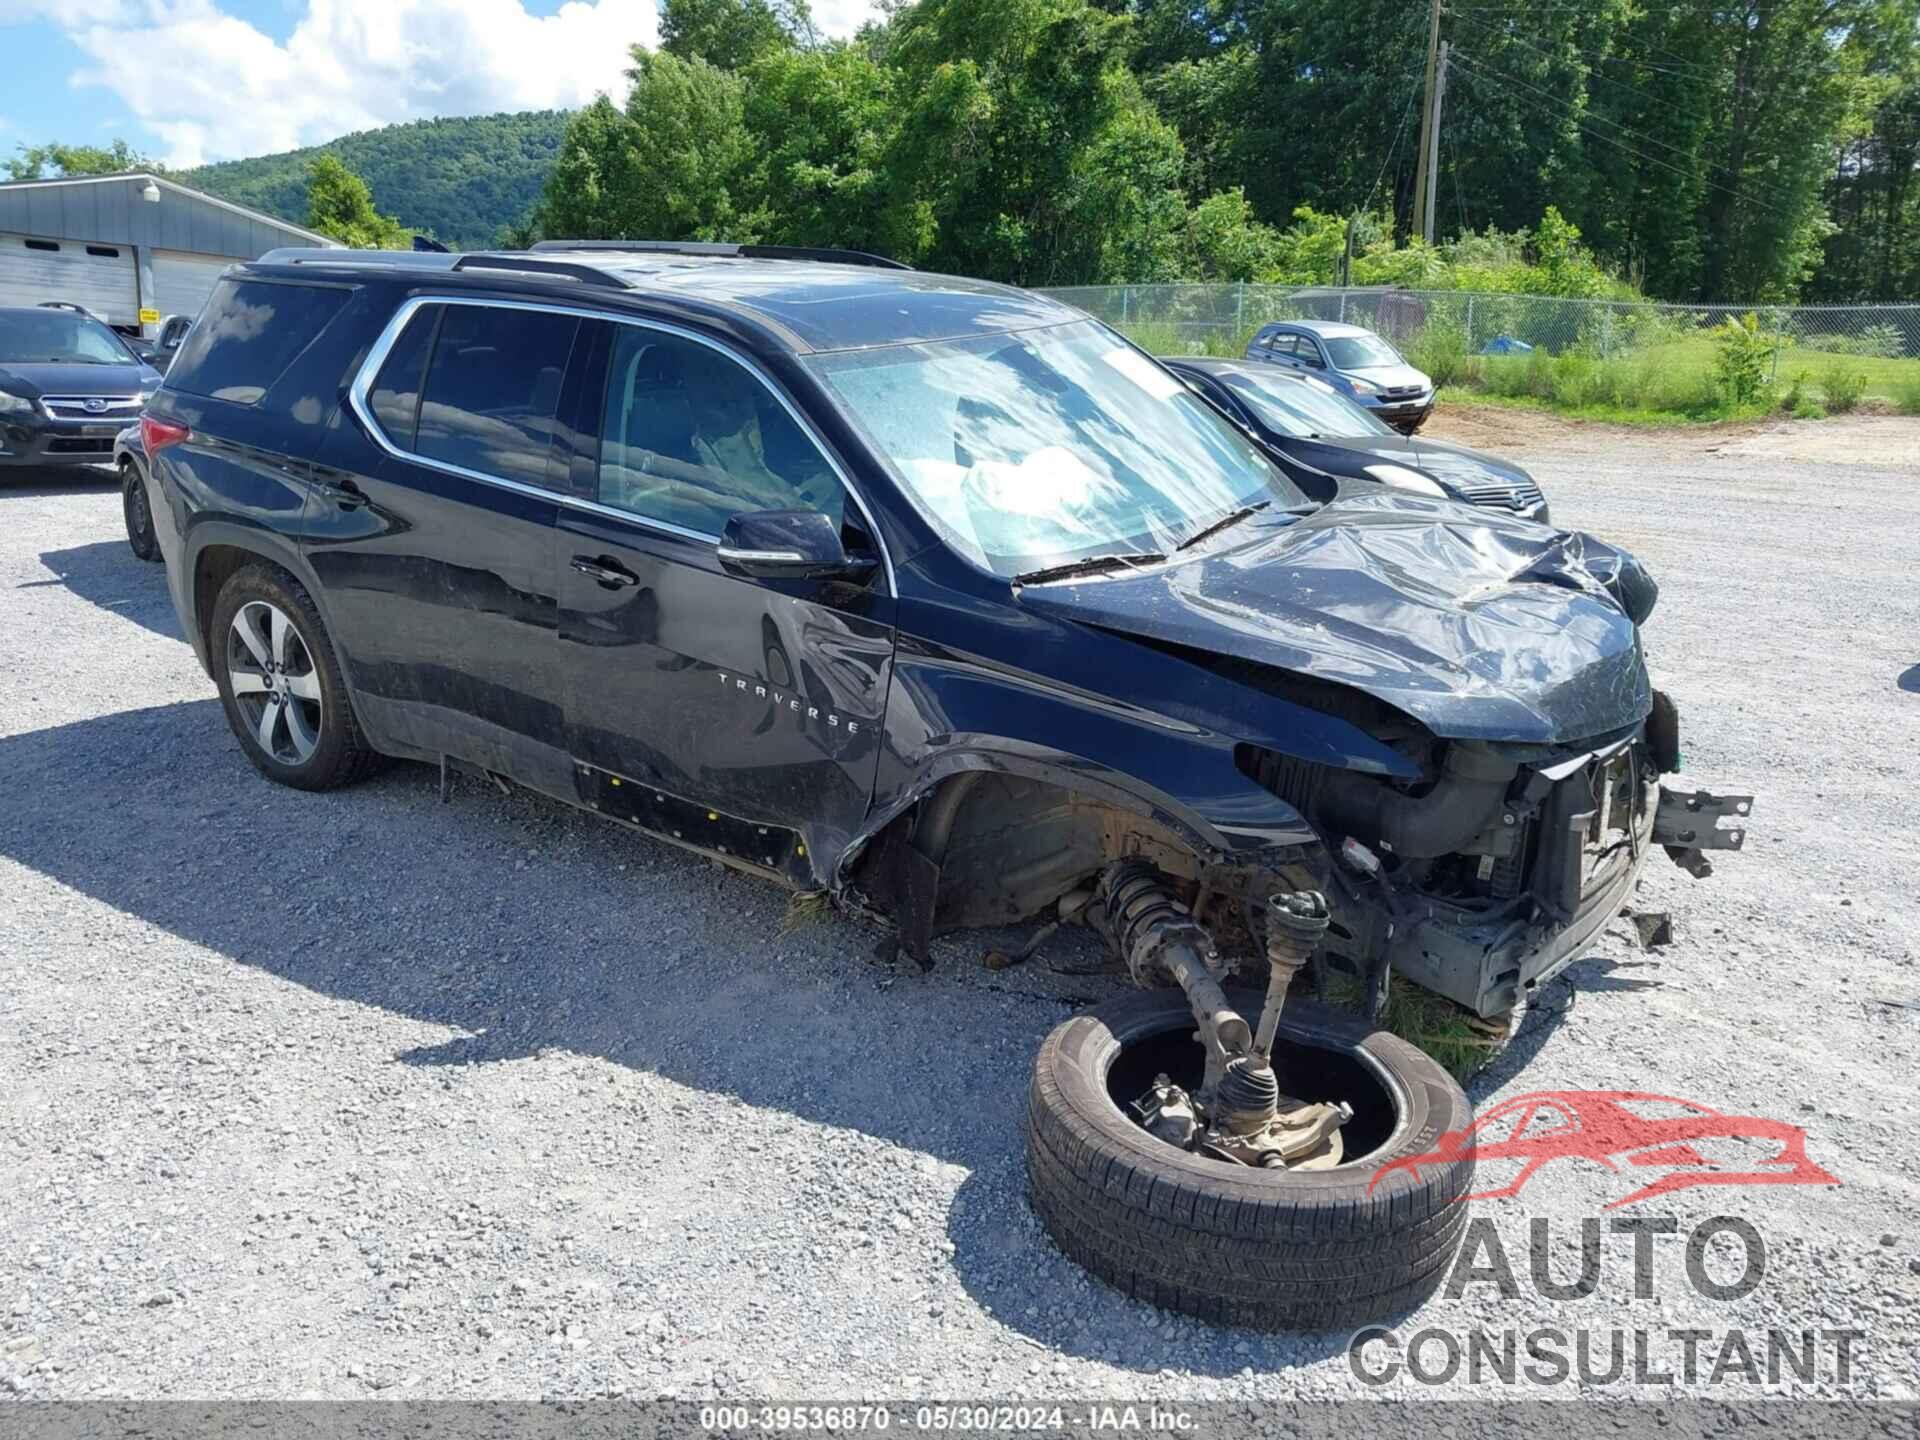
[[941, 599]]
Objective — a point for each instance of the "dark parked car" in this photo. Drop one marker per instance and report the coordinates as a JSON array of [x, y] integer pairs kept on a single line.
[[130, 460], [1308, 420], [945, 601], [68, 385], [1354, 361]]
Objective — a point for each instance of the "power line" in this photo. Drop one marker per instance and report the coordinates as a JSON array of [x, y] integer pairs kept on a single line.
[[1641, 155], [1399, 130], [1595, 59], [1601, 119], [1683, 62]]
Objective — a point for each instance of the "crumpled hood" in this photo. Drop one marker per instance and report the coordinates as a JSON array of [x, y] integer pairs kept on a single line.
[[1480, 626]]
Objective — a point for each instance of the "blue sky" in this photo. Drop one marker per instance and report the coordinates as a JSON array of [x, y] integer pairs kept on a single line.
[[194, 80]]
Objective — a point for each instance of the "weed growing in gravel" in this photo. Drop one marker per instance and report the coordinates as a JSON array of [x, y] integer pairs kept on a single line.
[[1456, 1037], [804, 908]]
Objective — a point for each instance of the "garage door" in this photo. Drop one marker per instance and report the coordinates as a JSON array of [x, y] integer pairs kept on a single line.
[[182, 282], [100, 277]]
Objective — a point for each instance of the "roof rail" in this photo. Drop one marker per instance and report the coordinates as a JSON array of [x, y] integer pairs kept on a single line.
[[744, 252], [316, 255], [533, 265]]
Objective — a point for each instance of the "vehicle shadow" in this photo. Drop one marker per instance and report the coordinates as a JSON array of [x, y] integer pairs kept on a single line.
[[522, 926], [1909, 680], [107, 574], [77, 480]]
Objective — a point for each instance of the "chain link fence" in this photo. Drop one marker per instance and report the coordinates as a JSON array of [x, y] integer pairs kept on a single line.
[[1219, 319]]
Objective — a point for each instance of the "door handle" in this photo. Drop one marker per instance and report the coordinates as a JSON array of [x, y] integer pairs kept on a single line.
[[609, 573]]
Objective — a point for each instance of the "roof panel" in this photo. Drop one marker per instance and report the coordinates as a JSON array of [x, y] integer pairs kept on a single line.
[[840, 307]]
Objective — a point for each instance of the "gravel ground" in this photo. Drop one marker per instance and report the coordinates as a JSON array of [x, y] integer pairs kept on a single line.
[[360, 1094]]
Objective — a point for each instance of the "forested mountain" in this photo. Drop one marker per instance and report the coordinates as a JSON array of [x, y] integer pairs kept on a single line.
[[459, 180]]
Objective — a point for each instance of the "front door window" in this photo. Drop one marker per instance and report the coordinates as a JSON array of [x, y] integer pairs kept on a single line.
[[693, 439]]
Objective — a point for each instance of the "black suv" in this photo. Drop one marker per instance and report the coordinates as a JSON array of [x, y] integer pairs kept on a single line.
[[68, 385], [943, 600]]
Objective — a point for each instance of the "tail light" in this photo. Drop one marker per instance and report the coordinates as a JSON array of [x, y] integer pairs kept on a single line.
[[156, 434]]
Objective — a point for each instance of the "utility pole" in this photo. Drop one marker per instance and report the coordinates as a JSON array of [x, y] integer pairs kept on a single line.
[[1420, 179], [1433, 153]]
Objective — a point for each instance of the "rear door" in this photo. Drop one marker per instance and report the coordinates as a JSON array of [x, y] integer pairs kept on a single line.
[[434, 540], [739, 715]]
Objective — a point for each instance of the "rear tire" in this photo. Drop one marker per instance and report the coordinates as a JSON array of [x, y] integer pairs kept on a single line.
[[138, 512], [281, 683], [1275, 1250]]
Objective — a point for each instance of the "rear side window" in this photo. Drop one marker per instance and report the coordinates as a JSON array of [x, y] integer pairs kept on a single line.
[[395, 397], [250, 333], [491, 390]]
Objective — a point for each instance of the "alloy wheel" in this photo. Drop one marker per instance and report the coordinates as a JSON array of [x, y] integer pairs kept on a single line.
[[274, 682]]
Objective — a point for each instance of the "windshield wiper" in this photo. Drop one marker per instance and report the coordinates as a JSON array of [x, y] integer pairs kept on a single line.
[[1226, 521], [1092, 565]]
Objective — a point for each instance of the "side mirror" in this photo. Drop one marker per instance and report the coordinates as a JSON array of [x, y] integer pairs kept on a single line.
[[785, 545]]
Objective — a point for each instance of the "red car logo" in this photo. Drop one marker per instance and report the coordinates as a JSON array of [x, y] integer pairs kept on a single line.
[[1598, 1125]]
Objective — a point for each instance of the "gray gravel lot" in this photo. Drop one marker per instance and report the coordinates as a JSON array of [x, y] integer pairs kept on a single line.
[[360, 1094]]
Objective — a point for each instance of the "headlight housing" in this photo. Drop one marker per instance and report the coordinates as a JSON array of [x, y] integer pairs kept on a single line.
[[1401, 478], [11, 404], [1364, 387]]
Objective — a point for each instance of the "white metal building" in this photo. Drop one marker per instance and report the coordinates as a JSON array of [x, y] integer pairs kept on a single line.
[[131, 248]]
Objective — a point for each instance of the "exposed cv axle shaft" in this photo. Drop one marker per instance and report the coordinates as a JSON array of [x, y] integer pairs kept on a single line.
[[1247, 1119]]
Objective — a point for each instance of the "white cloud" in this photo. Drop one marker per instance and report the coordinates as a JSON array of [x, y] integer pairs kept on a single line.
[[211, 85]]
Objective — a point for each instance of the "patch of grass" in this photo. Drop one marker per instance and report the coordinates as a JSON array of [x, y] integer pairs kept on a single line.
[[1672, 380], [1460, 1040], [1198, 338], [805, 908]]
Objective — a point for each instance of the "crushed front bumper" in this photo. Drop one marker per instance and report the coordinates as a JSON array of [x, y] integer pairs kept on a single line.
[[1588, 825]]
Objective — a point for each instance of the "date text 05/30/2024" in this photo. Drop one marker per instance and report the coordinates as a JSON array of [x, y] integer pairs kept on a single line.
[[981, 1419]]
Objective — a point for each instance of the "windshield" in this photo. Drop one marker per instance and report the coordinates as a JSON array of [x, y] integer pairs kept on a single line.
[[1301, 408], [58, 337], [1044, 447], [1360, 352]]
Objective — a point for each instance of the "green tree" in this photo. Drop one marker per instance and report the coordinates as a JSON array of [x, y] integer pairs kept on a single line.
[[823, 123], [676, 164], [1225, 243], [1031, 146], [340, 206], [54, 161], [732, 34]]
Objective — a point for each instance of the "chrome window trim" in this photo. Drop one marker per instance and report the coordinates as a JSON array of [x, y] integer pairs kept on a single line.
[[364, 378]]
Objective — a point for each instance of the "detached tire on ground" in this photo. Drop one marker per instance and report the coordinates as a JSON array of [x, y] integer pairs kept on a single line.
[[1275, 1250]]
